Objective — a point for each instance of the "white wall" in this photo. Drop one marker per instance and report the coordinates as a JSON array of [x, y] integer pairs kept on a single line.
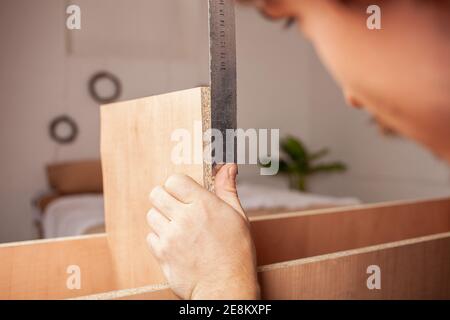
[[280, 85], [380, 168], [153, 46], [272, 82]]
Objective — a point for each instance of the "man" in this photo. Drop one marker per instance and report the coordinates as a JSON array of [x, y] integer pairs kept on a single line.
[[400, 74]]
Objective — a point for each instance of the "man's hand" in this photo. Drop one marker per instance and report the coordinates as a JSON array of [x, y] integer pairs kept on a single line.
[[202, 240]]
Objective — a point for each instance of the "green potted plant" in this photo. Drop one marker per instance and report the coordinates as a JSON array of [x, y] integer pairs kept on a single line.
[[298, 163]]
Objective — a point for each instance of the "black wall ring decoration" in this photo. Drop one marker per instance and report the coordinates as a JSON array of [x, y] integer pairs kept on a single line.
[[63, 121], [104, 75]]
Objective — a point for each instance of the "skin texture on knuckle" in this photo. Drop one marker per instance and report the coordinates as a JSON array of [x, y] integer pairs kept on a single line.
[[173, 238], [156, 197], [151, 218], [176, 181], [164, 249], [167, 242], [155, 193], [184, 221], [201, 208], [154, 245]]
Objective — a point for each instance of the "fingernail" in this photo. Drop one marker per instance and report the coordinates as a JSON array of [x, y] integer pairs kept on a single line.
[[232, 171]]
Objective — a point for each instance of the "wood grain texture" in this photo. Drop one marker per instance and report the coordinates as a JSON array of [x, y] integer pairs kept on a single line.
[[136, 150], [417, 268], [38, 269], [324, 254], [313, 233], [410, 269]]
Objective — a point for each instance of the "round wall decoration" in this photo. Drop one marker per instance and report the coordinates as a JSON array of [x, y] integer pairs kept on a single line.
[[109, 77], [63, 129]]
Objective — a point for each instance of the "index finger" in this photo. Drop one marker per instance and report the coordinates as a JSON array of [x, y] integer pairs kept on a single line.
[[184, 188]]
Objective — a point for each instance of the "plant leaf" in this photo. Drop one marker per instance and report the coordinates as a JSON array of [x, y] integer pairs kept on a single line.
[[319, 154], [296, 151], [283, 166], [329, 167]]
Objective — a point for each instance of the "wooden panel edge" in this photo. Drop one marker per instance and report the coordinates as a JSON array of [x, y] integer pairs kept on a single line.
[[153, 292], [52, 240], [357, 207], [208, 178]]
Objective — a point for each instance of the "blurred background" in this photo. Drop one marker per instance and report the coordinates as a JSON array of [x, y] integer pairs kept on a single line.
[[158, 46]]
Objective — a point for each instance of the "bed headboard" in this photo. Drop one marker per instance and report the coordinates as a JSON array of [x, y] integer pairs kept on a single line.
[[75, 177]]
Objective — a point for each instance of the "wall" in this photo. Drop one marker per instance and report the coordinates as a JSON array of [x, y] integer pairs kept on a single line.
[[158, 46], [272, 82]]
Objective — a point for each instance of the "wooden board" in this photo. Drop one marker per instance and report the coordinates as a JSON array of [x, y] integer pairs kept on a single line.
[[38, 269], [313, 233], [410, 269], [323, 244], [136, 150], [417, 268]]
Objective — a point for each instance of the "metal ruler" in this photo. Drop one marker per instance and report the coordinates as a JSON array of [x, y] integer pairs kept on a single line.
[[222, 50]]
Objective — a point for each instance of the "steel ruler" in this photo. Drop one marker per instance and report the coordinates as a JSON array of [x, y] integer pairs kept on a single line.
[[222, 49]]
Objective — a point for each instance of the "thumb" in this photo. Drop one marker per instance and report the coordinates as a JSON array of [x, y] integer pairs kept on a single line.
[[225, 186]]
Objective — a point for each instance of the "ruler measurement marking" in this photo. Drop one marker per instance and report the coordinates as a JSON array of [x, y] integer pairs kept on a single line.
[[223, 71]]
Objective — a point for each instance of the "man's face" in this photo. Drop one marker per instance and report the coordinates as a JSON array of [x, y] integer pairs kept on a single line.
[[399, 73]]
